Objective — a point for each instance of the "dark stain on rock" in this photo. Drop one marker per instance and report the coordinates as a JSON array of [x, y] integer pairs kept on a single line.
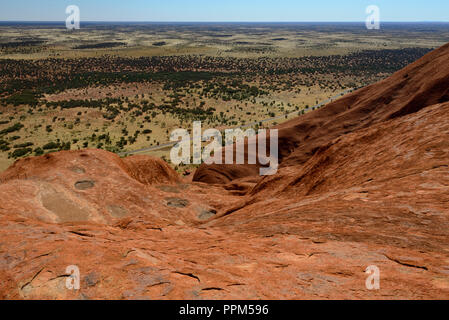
[[206, 214], [78, 170], [169, 189], [177, 203], [92, 279], [84, 185]]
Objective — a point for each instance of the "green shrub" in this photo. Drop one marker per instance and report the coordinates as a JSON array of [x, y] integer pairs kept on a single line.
[[51, 145], [23, 145], [15, 127], [38, 151], [23, 98], [21, 152], [65, 146]]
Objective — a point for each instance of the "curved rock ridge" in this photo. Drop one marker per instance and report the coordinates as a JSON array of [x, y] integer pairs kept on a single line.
[[150, 170], [92, 185], [421, 84]]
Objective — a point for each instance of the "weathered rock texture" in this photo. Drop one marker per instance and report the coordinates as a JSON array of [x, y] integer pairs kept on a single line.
[[363, 181]]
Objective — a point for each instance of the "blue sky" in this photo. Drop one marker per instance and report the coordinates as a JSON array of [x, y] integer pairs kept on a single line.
[[225, 10]]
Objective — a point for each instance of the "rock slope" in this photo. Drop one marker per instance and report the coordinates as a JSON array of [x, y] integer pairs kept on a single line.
[[363, 181]]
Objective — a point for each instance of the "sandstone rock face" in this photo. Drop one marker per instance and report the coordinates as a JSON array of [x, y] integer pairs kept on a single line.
[[363, 182]]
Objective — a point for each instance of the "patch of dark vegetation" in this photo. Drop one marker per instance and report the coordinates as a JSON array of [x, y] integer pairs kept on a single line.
[[102, 45], [4, 145], [55, 75], [70, 104], [38, 151], [23, 98], [57, 146], [23, 145], [219, 35], [25, 46], [13, 128], [20, 152], [18, 44]]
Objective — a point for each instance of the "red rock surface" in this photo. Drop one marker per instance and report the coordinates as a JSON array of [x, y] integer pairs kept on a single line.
[[363, 181]]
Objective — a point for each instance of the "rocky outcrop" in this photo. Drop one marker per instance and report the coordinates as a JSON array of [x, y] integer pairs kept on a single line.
[[363, 182]]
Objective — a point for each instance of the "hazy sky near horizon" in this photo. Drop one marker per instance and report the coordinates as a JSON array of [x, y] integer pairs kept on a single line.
[[227, 10]]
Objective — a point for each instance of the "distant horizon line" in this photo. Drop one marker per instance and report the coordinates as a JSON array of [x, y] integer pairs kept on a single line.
[[138, 21]]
